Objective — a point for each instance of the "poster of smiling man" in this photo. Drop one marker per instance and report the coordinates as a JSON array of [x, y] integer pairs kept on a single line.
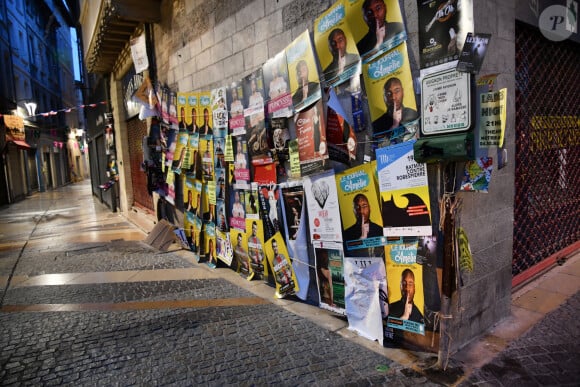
[[304, 78], [392, 103], [377, 26], [335, 46]]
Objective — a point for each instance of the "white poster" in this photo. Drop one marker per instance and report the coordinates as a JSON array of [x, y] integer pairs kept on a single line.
[[323, 207], [139, 53], [365, 279]]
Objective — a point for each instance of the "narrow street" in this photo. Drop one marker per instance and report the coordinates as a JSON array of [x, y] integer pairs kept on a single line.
[[89, 303], [84, 301]]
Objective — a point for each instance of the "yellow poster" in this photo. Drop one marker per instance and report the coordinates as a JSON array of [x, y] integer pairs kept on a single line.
[[335, 45], [376, 25], [242, 259], [362, 224], [255, 239], [279, 260], [210, 245], [303, 72], [405, 286], [206, 126], [389, 86]]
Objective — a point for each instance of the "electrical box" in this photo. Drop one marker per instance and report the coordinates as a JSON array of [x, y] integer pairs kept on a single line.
[[449, 147]]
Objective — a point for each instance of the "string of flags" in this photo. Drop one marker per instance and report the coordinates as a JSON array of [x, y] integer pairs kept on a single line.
[[64, 110]]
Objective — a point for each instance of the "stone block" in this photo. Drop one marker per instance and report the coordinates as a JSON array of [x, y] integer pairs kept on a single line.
[[222, 50], [243, 39], [249, 14], [225, 29]]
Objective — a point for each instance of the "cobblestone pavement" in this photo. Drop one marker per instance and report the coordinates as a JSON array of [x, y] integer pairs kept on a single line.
[[547, 355], [211, 328]]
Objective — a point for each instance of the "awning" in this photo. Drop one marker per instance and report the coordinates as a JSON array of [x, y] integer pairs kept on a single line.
[[21, 144]]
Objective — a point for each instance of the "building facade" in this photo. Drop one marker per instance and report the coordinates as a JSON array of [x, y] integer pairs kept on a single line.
[[38, 84], [194, 46]]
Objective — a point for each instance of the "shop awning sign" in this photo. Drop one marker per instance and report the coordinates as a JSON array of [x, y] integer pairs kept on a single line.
[[446, 102]]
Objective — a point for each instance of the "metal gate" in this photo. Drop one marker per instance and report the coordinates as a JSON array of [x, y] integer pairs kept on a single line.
[[547, 159], [136, 130]]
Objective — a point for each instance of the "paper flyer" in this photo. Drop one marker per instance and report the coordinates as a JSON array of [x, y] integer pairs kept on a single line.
[[236, 98], [255, 124], [323, 207], [265, 174], [405, 285], [392, 104], [163, 98], [221, 218], [477, 175], [190, 195], [172, 109], [139, 53], [180, 159], [197, 198], [279, 99], [219, 112], [359, 210], [335, 46], [206, 149], [219, 144], [252, 202], [297, 241], [182, 116], [210, 245], [241, 163], [268, 195], [339, 132], [206, 116], [278, 258], [224, 250], [377, 26], [255, 235], [191, 112], [404, 191], [473, 52], [195, 230], [281, 147], [208, 202], [240, 245], [311, 136], [238, 210], [330, 275], [303, 71], [492, 120], [365, 281], [443, 26]]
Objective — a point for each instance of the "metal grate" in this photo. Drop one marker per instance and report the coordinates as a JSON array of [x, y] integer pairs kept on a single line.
[[547, 186]]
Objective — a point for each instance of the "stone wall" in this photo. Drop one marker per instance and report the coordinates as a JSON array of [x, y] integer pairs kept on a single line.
[[203, 44]]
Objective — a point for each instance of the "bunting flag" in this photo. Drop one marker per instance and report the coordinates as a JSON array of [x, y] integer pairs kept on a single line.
[[64, 110]]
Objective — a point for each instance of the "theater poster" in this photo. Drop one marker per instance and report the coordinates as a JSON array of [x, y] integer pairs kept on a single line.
[[279, 260], [219, 111], [359, 210], [236, 108], [206, 127], [443, 27], [255, 240], [240, 245], [297, 241], [330, 275], [392, 104], [405, 285], [303, 72], [207, 162], [335, 46], [323, 207], [224, 250], [404, 191], [241, 162], [311, 135], [278, 97], [375, 30], [339, 132]]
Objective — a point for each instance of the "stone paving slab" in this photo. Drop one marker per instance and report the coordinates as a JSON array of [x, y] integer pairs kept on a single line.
[[124, 292], [250, 345], [547, 355]]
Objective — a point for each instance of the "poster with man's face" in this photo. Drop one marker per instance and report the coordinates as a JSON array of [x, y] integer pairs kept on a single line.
[[303, 70], [335, 45], [389, 86], [377, 26], [277, 86]]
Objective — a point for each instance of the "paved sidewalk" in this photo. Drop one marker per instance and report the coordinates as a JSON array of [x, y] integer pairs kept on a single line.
[[90, 304]]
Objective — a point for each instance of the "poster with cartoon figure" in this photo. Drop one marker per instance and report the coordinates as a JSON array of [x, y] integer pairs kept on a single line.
[[404, 191]]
